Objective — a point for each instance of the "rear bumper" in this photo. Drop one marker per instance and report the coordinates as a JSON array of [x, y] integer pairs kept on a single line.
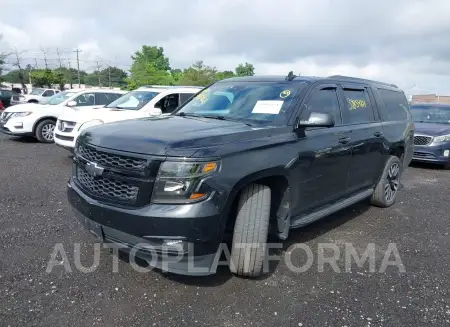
[[432, 153], [182, 239]]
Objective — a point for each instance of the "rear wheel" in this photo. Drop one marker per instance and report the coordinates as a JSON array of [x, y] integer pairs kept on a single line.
[[386, 190], [250, 231], [44, 131]]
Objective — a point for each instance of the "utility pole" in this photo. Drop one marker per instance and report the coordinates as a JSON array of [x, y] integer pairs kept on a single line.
[[45, 59], [78, 67], [70, 75], [59, 58], [21, 77], [98, 74], [109, 75], [35, 63]]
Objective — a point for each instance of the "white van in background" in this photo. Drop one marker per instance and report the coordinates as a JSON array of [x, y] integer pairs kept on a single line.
[[142, 102], [38, 120]]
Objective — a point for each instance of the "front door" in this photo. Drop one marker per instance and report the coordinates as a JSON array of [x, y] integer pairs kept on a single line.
[[324, 155], [361, 117]]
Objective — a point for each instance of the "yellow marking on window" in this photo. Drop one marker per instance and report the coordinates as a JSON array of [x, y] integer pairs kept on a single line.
[[355, 104]]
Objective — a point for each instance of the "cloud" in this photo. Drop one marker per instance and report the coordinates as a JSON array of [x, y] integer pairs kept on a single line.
[[402, 42]]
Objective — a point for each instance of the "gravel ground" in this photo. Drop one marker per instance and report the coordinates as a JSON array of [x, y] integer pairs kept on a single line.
[[35, 216]]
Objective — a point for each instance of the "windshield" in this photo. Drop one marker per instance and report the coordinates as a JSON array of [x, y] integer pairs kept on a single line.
[[58, 98], [133, 100], [37, 91], [259, 102], [431, 114]]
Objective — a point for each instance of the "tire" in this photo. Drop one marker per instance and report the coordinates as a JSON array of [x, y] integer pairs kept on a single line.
[[250, 231], [386, 190], [43, 129]]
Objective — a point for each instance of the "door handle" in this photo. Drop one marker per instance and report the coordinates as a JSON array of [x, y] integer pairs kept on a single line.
[[377, 134], [344, 140]]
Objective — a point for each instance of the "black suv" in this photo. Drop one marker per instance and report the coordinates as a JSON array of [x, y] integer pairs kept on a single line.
[[245, 157]]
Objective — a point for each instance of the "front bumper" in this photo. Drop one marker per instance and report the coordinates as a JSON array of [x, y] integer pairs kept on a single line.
[[65, 140], [150, 231], [16, 128], [435, 153]]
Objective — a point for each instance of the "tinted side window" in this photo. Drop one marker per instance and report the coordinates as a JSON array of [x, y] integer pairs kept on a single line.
[[48, 93], [184, 97], [358, 108], [170, 103], [104, 98], [396, 104], [87, 99], [323, 101]]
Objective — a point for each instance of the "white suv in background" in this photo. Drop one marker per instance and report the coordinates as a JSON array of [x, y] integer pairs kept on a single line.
[[37, 95], [38, 120], [142, 102]]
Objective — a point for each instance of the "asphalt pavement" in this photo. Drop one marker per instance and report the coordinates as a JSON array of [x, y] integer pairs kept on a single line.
[[35, 216]]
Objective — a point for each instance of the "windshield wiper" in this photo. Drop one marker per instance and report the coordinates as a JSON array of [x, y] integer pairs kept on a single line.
[[182, 114]]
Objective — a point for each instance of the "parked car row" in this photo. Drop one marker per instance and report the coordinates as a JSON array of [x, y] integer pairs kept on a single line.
[[240, 160]]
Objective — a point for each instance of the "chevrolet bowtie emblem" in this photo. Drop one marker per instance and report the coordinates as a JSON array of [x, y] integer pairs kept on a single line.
[[93, 169]]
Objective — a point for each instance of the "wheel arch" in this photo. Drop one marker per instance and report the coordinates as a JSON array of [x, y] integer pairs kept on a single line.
[[37, 122]]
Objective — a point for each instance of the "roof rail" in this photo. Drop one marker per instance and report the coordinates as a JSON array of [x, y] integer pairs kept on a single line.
[[357, 79]]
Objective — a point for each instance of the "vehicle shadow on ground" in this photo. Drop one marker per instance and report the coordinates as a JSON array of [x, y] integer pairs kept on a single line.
[[300, 235], [23, 139], [428, 166]]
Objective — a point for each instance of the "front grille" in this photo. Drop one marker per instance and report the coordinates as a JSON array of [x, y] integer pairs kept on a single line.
[[422, 140], [5, 116], [110, 160], [107, 188]]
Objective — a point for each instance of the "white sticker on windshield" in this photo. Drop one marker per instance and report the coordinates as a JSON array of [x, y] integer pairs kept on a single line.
[[271, 107]]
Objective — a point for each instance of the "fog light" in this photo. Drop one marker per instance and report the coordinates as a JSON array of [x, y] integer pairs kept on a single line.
[[446, 153], [18, 125]]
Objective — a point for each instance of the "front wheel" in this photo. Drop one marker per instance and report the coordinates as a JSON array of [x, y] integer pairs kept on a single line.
[[250, 231], [386, 190], [44, 131]]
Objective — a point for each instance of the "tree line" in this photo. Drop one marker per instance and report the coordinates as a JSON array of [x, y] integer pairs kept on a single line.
[[149, 66]]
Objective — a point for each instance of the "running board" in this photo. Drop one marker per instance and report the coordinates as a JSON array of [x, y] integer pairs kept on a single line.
[[312, 217]]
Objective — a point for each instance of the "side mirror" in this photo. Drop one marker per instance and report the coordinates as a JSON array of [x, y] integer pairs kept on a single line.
[[72, 103], [317, 119], [155, 112]]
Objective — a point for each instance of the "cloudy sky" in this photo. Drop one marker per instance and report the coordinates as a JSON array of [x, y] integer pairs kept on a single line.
[[403, 41]]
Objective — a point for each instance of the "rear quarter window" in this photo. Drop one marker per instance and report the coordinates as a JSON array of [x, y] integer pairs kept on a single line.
[[396, 104]]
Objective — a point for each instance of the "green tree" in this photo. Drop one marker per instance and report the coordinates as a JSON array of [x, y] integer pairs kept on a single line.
[[150, 66], [44, 78], [198, 74], [225, 74], [13, 76], [245, 69], [176, 75]]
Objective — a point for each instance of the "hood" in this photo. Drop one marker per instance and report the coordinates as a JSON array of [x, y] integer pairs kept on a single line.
[[432, 129], [176, 136], [25, 107], [107, 115]]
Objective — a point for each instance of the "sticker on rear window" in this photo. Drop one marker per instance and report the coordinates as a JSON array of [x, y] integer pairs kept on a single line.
[[271, 107]]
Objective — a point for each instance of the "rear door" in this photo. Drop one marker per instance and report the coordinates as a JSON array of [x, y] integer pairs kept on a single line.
[[324, 154], [361, 117]]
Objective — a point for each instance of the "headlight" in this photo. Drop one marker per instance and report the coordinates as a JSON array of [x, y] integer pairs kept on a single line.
[[443, 138], [21, 114], [90, 124], [180, 182]]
